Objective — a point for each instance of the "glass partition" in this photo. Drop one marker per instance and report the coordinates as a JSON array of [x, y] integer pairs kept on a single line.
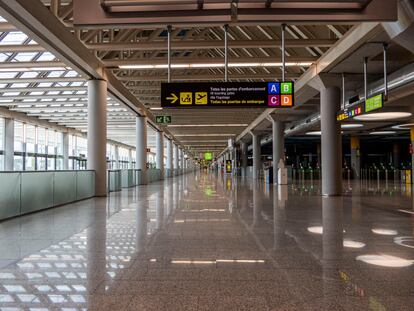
[[26, 192]]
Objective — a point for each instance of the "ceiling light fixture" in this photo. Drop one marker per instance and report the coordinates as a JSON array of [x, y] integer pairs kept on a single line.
[[214, 65], [206, 135], [383, 116], [207, 125], [351, 125], [382, 133], [406, 126]]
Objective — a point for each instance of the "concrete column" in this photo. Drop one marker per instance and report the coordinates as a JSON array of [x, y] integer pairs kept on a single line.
[[182, 159], [278, 145], [243, 159], [97, 94], [117, 164], [355, 156], [331, 142], [9, 145], [412, 155], [141, 147], [176, 157], [396, 150], [160, 152], [169, 154], [65, 150], [256, 155], [129, 158]]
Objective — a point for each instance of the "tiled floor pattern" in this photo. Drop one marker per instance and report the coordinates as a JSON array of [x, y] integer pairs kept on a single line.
[[207, 242]]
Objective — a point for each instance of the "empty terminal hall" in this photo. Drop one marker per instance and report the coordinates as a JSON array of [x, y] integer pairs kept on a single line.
[[181, 155]]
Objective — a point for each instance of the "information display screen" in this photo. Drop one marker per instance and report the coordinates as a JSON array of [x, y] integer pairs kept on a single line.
[[208, 156], [374, 103], [228, 94]]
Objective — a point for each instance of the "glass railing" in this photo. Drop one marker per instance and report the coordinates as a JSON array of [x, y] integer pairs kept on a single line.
[[27, 192]]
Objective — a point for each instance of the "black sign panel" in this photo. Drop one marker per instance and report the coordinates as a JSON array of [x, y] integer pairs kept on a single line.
[[227, 94]]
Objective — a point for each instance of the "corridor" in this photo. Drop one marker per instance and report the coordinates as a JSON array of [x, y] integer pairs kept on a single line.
[[207, 242]]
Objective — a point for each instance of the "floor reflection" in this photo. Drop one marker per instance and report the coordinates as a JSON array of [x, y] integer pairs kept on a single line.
[[212, 242]]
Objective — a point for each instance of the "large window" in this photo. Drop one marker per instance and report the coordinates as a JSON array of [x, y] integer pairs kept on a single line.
[[40, 148], [18, 146], [2, 138]]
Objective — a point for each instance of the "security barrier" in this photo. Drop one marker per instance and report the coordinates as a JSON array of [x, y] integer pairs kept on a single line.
[[26, 192], [397, 176]]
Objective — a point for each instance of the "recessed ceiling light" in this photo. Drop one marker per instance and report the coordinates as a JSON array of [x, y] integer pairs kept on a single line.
[[156, 108], [383, 116], [351, 125], [406, 126], [382, 133], [314, 133]]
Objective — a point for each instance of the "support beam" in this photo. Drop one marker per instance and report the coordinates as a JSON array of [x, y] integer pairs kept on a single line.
[[176, 157], [243, 150], [160, 152], [182, 159], [202, 77], [199, 60], [141, 147], [36, 20], [206, 44], [348, 44], [278, 146], [331, 142], [65, 150], [169, 163], [9, 144], [97, 94], [257, 163]]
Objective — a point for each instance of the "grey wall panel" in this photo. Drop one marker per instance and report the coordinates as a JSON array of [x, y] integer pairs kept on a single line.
[[9, 195], [37, 191], [65, 187], [85, 187]]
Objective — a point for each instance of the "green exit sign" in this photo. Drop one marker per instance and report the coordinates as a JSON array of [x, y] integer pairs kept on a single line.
[[163, 119], [375, 102]]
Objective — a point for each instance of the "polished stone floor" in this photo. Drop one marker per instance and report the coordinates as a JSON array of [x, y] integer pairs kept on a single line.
[[207, 242]]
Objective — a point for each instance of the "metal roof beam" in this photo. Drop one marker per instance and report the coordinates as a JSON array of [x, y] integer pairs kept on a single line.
[[33, 18], [352, 40], [206, 44], [198, 60], [207, 77]]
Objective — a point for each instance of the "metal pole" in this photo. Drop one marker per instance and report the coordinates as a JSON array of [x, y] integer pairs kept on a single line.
[[385, 46], [283, 51], [366, 78], [343, 91], [226, 53], [169, 28]]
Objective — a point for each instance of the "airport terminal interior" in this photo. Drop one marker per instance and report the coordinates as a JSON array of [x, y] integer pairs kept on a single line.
[[206, 155]]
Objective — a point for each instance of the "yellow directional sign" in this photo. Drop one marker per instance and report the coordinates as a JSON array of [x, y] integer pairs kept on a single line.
[[173, 98], [201, 98], [186, 98]]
